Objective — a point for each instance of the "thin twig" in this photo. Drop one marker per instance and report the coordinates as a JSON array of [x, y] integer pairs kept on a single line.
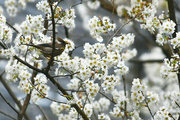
[[145, 61], [45, 25], [75, 90], [12, 27], [43, 112], [8, 103], [107, 97], [118, 30], [177, 104], [125, 105], [7, 115], [54, 37], [148, 106], [66, 32], [65, 75]]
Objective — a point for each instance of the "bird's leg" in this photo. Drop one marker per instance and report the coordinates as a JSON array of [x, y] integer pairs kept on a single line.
[[49, 59]]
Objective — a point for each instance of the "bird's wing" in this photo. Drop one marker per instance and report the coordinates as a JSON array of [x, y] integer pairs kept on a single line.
[[45, 45]]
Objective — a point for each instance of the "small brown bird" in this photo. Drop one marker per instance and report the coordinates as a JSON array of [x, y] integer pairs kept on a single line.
[[46, 48]]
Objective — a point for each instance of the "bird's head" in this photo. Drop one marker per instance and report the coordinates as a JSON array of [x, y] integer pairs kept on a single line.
[[62, 41]]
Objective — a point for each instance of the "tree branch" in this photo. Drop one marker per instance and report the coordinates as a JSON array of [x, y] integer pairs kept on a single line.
[[173, 18], [53, 35]]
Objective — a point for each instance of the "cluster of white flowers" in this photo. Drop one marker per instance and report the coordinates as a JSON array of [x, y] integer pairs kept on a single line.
[[17, 71], [170, 66], [163, 114], [175, 42], [40, 89], [121, 42], [44, 6], [163, 28], [160, 39], [140, 95], [104, 103], [2, 19], [13, 5], [74, 84], [93, 4], [64, 17], [152, 97], [32, 24], [103, 116], [173, 63], [165, 31], [97, 26], [5, 31], [128, 54], [121, 100], [12, 70], [110, 82], [25, 83], [8, 53], [167, 27], [58, 108], [142, 10], [138, 92], [101, 105], [93, 51], [91, 88], [135, 115], [5, 34], [38, 85], [145, 13], [117, 112], [88, 110]]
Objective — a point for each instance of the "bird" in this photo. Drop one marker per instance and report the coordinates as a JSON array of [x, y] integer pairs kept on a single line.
[[46, 48]]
